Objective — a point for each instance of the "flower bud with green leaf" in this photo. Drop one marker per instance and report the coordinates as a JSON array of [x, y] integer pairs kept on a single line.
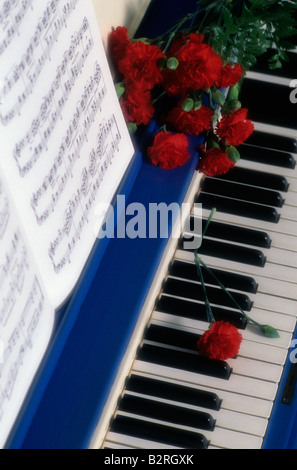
[[233, 153], [218, 97], [120, 89], [187, 105], [172, 63]]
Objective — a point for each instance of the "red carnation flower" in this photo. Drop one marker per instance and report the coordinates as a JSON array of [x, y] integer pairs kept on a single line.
[[140, 65], [119, 42], [214, 162], [222, 341], [199, 66], [192, 122], [137, 106], [235, 128], [169, 150], [229, 76]]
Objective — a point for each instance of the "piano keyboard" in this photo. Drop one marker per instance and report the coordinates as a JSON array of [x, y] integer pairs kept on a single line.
[[172, 397]]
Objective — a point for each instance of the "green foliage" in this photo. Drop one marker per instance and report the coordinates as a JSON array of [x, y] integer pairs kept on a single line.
[[242, 31]]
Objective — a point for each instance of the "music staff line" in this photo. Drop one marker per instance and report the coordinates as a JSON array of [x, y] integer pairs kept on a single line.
[[62, 246], [20, 342], [12, 274], [35, 141], [76, 135], [12, 27], [45, 36]]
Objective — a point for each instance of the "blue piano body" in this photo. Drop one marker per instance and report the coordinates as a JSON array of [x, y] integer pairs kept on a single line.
[[70, 390]]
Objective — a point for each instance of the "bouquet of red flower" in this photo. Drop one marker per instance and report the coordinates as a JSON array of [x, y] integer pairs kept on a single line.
[[199, 63], [193, 76]]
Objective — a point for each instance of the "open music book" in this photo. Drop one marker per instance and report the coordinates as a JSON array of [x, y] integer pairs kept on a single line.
[[64, 148]]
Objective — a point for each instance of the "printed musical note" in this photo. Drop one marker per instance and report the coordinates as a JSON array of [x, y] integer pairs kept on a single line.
[[22, 79], [75, 137], [79, 207]]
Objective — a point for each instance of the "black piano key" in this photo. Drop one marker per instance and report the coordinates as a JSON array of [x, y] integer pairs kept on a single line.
[[267, 156], [172, 337], [231, 252], [257, 178], [172, 414], [272, 141], [242, 192], [194, 291], [172, 391], [159, 433], [237, 234], [261, 97], [236, 207], [186, 361], [230, 280], [188, 309]]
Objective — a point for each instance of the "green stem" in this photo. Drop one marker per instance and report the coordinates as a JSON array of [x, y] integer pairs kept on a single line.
[[250, 320], [210, 316]]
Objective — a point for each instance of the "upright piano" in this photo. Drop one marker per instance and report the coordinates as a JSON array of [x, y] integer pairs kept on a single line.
[[119, 372]]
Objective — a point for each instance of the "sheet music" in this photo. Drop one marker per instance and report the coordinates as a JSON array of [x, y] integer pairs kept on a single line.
[[26, 316], [64, 142]]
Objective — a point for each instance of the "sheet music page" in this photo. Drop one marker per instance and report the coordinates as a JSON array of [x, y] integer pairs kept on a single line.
[[26, 316], [64, 145]]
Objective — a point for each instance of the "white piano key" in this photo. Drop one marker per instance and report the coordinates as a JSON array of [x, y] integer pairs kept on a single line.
[[240, 422], [136, 442], [115, 445], [277, 130], [256, 369], [237, 384], [284, 323], [284, 227], [273, 169], [228, 439], [289, 212], [290, 199], [230, 401], [280, 256], [269, 78]]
